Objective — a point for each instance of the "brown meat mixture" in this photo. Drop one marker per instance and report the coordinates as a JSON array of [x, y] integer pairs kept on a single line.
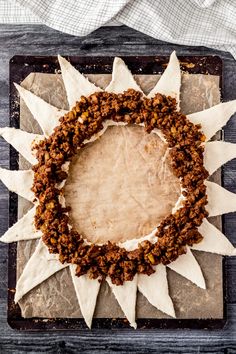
[[175, 232]]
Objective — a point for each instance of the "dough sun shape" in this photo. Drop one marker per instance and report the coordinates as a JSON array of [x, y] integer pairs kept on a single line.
[[143, 261]]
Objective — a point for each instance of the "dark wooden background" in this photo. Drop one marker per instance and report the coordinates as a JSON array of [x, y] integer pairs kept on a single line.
[[37, 39]]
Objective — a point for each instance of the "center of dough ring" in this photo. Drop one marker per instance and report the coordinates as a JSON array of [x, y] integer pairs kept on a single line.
[[123, 181]]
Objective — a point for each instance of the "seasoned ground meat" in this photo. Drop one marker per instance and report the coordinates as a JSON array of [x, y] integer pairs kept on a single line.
[[174, 233]]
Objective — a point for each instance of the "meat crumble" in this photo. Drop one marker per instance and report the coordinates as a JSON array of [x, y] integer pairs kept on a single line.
[[175, 232]]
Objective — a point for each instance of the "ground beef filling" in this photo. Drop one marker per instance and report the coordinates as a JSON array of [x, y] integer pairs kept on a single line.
[[175, 232]]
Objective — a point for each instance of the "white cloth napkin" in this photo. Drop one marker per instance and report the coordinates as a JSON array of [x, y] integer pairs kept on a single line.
[[210, 23]]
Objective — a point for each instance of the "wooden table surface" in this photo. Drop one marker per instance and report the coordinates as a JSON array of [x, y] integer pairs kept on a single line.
[[37, 39]]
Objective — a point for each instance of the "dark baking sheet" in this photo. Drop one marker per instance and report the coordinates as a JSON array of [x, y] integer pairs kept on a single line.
[[20, 68]]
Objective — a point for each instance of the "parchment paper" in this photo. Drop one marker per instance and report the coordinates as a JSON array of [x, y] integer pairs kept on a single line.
[[120, 193], [121, 186]]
